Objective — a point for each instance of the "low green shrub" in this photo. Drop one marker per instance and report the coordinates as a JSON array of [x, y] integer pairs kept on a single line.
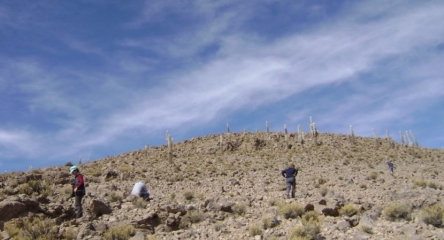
[[373, 175], [255, 230], [433, 215], [396, 211], [32, 228], [291, 210], [309, 230], [115, 197], [348, 210], [120, 233], [240, 209], [188, 195]]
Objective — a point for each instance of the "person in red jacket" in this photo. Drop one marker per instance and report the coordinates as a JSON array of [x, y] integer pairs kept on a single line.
[[78, 190]]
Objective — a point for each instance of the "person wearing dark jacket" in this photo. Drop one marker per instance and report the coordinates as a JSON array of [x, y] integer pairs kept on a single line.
[[390, 165], [78, 190], [290, 179]]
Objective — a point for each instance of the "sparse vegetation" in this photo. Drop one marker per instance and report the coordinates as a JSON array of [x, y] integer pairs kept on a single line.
[[188, 195], [255, 230], [178, 210], [348, 210], [240, 209], [420, 183], [309, 230], [120, 233], [374, 175], [433, 215], [32, 228], [292, 210], [396, 211], [115, 197]]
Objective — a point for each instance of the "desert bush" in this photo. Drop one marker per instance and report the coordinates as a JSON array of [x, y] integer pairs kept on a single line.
[[138, 202], [24, 188], [191, 217], [36, 187], [240, 209], [8, 190], [348, 210], [65, 190], [255, 230], [323, 191], [432, 185], [115, 197], [433, 215], [397, 211], [308, 231], [373, 175], [363, 186], [266, 222], [274, 202], [35, 228], [120, 233], [291, 210], [310, 215], [69, 234], [188, 195], [420, 183], [69, 164]]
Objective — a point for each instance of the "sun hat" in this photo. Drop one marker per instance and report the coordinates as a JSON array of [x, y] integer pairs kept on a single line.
[[72, 169]]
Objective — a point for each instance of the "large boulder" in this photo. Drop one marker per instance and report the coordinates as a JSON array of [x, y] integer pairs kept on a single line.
[[11, 209], [99, 207]]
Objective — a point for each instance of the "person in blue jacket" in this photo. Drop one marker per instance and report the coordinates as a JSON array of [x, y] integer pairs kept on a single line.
[[290, 179], [390, 165]]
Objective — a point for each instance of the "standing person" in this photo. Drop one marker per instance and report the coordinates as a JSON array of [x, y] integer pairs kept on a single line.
[[390, 165], [290, 179], [78, 190]]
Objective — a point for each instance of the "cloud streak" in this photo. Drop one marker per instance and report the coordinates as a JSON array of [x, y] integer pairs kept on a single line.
[[363, 67]]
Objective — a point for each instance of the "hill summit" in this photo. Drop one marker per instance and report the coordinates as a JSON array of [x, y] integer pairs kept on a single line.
[[229, 186]]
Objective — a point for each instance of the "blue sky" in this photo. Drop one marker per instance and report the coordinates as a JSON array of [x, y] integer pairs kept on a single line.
[[97, 78]]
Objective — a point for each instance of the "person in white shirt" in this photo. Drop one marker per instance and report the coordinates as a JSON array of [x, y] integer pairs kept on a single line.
[[140, 189]]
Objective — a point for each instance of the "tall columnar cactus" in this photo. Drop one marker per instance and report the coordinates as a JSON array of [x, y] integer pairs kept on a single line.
[[286, 140], [221, 143], [170, 146], [228, 128], [376, 137], [352, 134], [401, 137], [146, 150], [314, 132], [285, 129], [29, 168], [267, 127], [415, 141], [389, 139], [409, 141], [80, 161], [300, 134]]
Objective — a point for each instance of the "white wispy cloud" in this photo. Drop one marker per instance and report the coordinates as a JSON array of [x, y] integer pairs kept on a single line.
[[247, 71]]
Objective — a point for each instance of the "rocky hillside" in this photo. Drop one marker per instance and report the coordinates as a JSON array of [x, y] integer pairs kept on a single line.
[[234, 190]]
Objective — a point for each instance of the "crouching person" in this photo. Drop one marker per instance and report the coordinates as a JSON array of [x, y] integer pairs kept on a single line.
[[140, 190]]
